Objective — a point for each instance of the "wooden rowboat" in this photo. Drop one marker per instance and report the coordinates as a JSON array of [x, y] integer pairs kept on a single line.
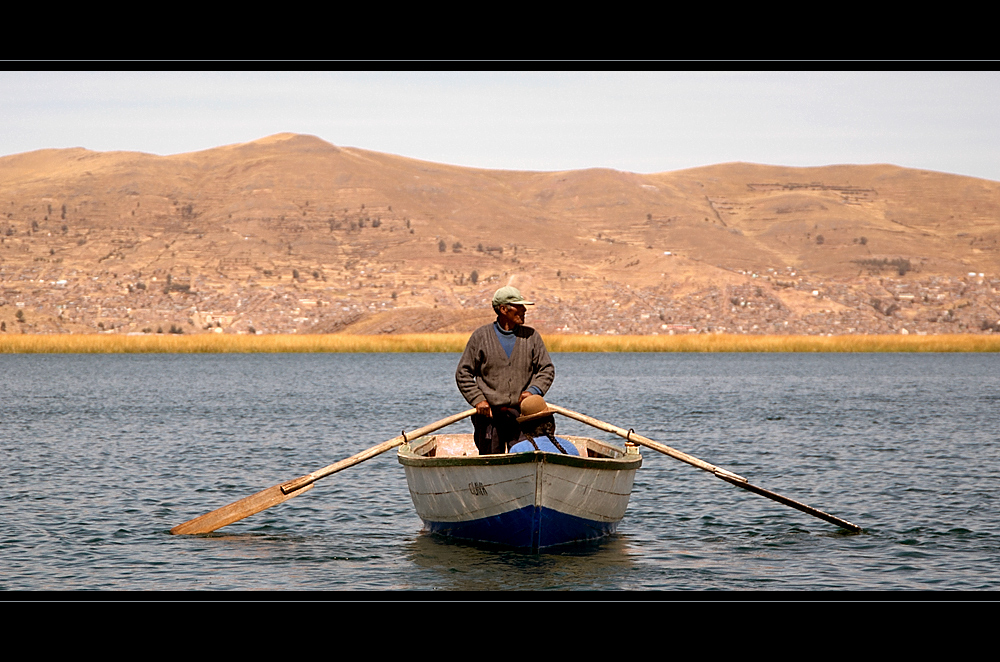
[[530, 500]]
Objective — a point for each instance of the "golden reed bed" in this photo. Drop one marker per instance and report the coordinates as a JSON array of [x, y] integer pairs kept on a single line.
[[455, 342]]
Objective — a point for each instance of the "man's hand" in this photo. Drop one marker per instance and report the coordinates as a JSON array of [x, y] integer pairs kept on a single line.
[[483, 409], [524, 394]]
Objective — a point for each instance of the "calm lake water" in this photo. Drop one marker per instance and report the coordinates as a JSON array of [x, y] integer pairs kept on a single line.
[[102, 454]]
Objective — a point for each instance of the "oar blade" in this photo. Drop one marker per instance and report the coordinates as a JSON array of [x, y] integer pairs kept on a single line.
[[798, 505], [234, 512], [272, 496], [719, 472]]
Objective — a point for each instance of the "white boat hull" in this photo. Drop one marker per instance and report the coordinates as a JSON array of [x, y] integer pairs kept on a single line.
[[528, 500]]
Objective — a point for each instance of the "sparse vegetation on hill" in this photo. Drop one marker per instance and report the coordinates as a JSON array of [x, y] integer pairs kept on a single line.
[[900, 265], [291, 235]]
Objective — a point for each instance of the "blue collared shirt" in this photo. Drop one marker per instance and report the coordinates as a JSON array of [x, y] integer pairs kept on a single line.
[[544, 445]]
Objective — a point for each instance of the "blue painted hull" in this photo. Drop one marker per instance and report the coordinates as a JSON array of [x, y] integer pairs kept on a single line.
[[532, 527]]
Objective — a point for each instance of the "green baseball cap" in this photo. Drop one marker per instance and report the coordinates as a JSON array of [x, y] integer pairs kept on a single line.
[[509, 296]]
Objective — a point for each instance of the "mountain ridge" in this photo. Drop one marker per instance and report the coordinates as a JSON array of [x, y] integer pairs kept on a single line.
[[291, 217]]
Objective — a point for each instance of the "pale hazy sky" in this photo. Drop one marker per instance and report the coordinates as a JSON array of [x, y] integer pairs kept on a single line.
[[633, 121]]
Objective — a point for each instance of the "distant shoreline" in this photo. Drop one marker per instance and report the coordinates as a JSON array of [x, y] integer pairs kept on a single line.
[[455, 342]]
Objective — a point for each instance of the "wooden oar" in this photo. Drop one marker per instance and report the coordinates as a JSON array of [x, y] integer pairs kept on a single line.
[[272, 496], [728, 476]]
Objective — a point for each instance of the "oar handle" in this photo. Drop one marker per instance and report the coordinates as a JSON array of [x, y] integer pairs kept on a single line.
[[310, 478], [630, 435]]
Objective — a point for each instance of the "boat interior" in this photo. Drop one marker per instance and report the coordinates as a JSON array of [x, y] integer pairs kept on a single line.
[[463, 445]]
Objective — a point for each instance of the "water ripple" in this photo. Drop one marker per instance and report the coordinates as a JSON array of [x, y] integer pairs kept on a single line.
[[104, 454]]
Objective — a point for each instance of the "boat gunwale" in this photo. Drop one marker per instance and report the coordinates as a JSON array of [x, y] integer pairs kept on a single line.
[[628, 461]]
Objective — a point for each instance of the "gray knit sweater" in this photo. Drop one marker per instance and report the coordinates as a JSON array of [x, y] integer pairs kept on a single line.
[[485, 371]]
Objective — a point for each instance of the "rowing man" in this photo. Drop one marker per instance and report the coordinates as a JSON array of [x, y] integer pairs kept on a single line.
[[503, 363]]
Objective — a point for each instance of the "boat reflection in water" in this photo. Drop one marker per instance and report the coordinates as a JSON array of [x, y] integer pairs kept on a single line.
[[531, 500]]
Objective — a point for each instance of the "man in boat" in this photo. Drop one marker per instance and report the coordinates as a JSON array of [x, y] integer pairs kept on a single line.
[[538, 429], [503, 363]]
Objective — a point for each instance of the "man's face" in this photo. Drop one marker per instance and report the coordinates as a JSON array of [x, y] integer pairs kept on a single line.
[[512, 314]]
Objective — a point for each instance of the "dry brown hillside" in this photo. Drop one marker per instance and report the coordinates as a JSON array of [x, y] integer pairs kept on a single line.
[[292, 234]]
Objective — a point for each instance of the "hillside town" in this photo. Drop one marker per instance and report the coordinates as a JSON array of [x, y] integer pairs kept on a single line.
[[137, 303], [290, 234]]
